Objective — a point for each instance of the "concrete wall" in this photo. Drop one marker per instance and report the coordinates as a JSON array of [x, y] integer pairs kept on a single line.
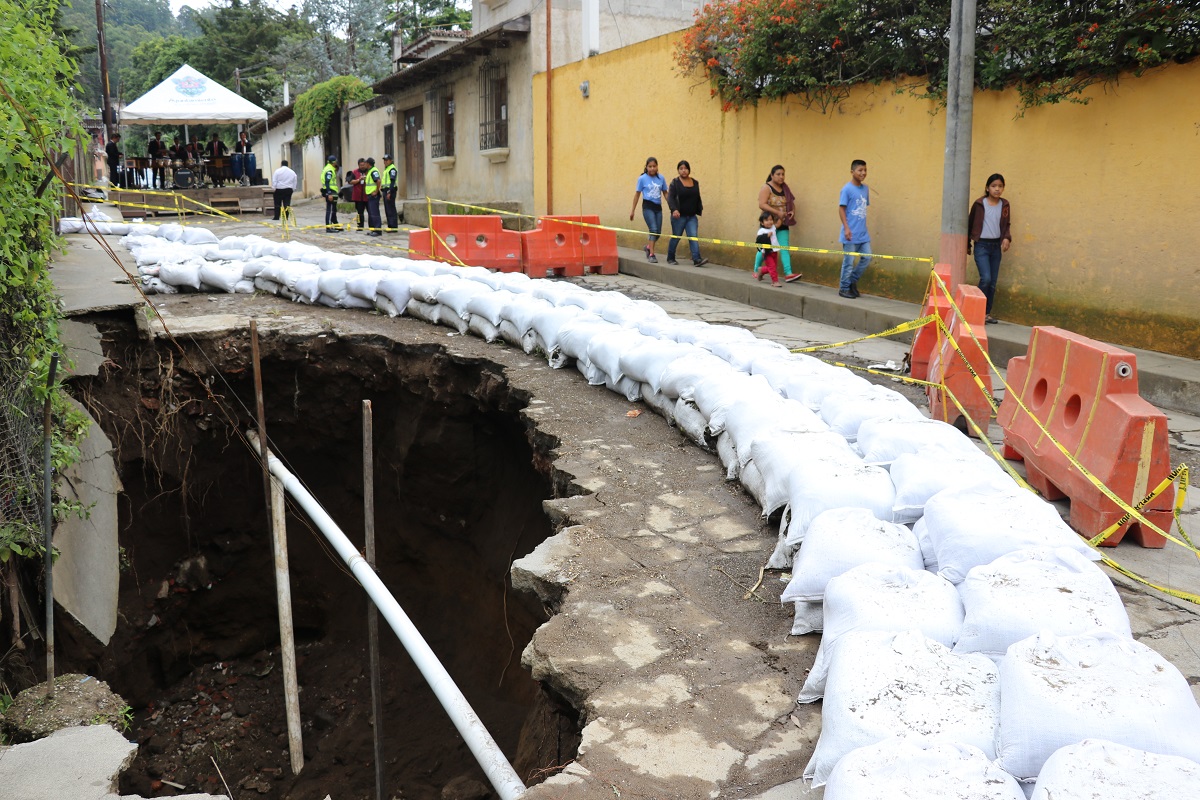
[[1100, 192], [472, 177]]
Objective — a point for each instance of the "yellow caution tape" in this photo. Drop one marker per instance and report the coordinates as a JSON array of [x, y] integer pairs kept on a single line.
[[903, 327], [729, 242]]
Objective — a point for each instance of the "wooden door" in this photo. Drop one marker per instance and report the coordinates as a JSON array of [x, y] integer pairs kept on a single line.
[[414, 153]]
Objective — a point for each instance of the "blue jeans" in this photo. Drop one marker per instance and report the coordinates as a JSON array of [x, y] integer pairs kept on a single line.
[[784, 235], [987, 260], [850, 273], [690, 225], [653, 219]]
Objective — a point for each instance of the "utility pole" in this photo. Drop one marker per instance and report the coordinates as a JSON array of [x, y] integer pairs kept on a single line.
[[956, 175], [109, 120]]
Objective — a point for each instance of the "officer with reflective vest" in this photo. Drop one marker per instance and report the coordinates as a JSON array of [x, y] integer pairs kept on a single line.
[[329, 190], [371, 188], [389, 194]]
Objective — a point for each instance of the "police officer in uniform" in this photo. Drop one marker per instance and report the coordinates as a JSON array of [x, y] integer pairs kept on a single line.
[[371, 183], [389, 194], [329, 190]]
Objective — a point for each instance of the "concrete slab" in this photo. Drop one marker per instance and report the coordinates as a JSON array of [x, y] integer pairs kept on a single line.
[[89, 280], [87, 572], [84, 350], [78, 763]]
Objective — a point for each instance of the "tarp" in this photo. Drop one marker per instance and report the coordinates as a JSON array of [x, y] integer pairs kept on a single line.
[[190, 98]]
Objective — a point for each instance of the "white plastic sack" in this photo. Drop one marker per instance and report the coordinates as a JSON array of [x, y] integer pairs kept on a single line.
[[394, 288], [767, 415], [184, 274], [456, 297], [426, 289], [716, 395], [575, 332], [1058, 691], [362, 284], [663, 405], [548, 323], [776, 458], [883, 597], [482, 328], [522, 311], [813, 389], [681, 375], [976, 525], [919, 476], [1096, 768], [882, 685], [630, 389], [846, 412], [223, 275], [605, 350], [833, 481], [195, 235], [919, 767], [841, 539], [692, 423], [490, 305], [647, 361], [171, 231], [429, 312], [1042, 589], [883, 438]]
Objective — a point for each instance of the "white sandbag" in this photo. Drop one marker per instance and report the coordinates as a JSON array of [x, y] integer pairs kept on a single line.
[[818, 484], [878, 596], [742, 356], [151, 285], [921, 530], [590, 372], [767, 415], [171, 231], [594, 302], [521, 311], [716, 395], [483, 328], [919, 476], [605, 349], [332, 261], [456, 297], [490, 305], [294, 251], [647, 361], [547, 325], [663, 405], [152, 271], [449, 319], [429, 312], [509, 333], [632, 313], [708, 335], [266, 285], [223, 275], [630, 389], [1096, 768], [196, 235], [556, 293], [727, 453], [776, 458], [394, 286], [213, 252], [515, 282], [359, 261], [244, 286], [680, 376], [920, 767], [575, 333], [883, 438], [332, 282], [414, 267], [325, 300], [813, 389], [307, 284], [70, 225], [841, 539], [350, 301], [976, 525], [903, 684], [426, 289], [181, 274], [659, 327], [251, 268], [386, 306], [691, 422], [363, 283], [844, 413], [808, 618], [1058, 691], [1029, 591], [235, 242], [782, 369]]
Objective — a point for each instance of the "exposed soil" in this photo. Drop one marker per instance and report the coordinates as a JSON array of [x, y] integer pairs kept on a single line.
[[458, 493]]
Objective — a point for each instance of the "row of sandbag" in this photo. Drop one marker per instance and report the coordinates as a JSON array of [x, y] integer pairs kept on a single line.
[[802, 436]]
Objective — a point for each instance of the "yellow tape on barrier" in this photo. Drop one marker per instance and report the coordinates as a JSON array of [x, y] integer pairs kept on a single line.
[[903, 327], [730, 242]]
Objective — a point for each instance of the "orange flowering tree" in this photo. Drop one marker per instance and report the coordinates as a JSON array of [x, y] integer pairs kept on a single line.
[[816, 50]]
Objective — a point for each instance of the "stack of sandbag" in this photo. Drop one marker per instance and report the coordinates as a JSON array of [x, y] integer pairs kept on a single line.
[[1096, 768], [920, 767]]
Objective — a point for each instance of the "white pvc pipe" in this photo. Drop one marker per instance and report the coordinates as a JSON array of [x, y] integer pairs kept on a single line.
[[499, 772]]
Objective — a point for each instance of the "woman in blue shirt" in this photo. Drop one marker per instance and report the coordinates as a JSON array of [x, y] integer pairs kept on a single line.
[[649, 189]]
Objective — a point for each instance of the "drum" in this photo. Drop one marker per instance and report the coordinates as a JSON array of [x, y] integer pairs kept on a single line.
[[251, 165], [162, 163], [183, 179], [177, 163], [238, 159]]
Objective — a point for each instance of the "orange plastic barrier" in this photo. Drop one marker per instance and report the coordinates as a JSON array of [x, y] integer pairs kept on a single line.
[[946, 365], [477, 241], [926, 337], [1086, 394], [557, 247]]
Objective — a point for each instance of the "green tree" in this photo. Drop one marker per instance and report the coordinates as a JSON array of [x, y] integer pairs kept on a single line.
[[415, 18]]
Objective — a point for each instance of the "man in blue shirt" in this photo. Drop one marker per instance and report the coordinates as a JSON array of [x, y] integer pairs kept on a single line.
[[856, 242]]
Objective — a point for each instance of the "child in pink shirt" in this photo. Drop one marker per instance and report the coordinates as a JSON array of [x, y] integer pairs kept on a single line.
[[766, 236]]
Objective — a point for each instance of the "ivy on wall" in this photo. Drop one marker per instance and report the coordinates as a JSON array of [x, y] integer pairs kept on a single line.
[[816, 50], [38, 119], [320, 105]]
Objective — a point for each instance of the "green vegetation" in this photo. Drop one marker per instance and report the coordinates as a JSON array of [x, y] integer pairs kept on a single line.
[[816, 50], [317, 108]]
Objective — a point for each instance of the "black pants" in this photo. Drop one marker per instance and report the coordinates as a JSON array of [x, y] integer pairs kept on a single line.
[[331, 209], [389, 209], [373, 213], [360, 206], [116, 176], [283, 199]]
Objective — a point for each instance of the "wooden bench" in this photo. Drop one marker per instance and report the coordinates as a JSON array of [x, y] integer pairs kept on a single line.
[[225, 202], [133, 211], [250, 204]]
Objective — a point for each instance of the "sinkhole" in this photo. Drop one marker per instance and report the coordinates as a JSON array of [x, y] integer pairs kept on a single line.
[[459, 480]]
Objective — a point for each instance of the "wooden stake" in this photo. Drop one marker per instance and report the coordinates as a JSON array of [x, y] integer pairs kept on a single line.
[[372, 611]]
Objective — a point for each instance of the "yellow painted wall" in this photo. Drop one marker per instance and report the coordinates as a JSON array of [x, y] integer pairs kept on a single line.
[[1106, 226]]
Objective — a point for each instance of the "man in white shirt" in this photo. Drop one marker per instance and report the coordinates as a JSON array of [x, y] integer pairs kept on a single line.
[[283, 181]]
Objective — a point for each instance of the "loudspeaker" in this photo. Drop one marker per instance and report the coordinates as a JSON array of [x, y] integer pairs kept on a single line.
[[183, 179]]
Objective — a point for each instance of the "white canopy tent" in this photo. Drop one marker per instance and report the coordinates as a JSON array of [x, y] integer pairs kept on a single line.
[[189, 97]]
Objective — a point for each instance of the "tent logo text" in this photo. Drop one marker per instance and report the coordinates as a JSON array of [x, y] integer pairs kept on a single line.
[[189, 85]]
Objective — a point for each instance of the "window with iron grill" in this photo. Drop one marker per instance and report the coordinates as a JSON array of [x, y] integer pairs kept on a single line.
[[441, 121], [493, 106]]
